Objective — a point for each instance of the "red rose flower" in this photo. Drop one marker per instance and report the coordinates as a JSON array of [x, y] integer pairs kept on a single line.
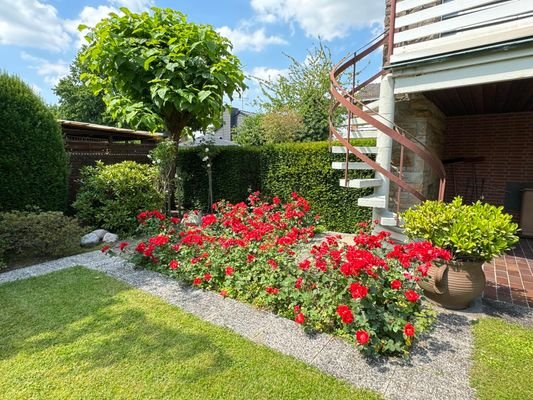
[[207, 277], [358, 291], [304, 265], [223, 293], [271, 290], [396, 284], [296, 309], [197, 281], [140, 247], [105, 249], [298, 283], [173, 264], [300, 318], [208, 219], [362, 337], [345, 313], [123, 245], [412, 296], [159, 240], [229, 271], [273, 263], [175, 220], [250, 258], [409, 330]]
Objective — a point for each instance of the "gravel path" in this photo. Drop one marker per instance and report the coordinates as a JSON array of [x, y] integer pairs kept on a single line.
[[438, 369]]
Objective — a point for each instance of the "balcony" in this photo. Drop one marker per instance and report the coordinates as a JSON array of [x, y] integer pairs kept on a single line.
[[434, 28]]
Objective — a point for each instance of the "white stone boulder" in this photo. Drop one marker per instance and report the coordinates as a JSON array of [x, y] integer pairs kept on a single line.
[[91, 239], [110, 237]]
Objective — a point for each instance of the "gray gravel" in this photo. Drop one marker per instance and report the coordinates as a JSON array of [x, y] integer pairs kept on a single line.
[[438, 369]]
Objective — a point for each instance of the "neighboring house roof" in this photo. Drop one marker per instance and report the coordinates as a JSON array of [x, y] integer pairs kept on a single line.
[[76, 128], [210, 139], [370, 92]]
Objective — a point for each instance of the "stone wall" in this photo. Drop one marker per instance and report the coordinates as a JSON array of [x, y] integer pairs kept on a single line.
[[422, 119]]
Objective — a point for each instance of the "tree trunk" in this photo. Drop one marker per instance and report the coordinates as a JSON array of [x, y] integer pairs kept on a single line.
[[170, 201], [175, 122]]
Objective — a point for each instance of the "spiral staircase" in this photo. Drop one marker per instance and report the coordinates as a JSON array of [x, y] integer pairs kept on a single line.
[[394, 191]]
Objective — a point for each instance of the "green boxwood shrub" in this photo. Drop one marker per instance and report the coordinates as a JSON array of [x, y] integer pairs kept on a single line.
[[35, 235], [277, 170], [111, 196], [33, 161]]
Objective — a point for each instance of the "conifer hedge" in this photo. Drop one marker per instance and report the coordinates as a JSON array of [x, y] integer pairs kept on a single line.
[[33, 161]]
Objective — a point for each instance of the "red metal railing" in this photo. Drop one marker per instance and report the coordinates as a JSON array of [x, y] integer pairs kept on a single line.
[[347, 99]]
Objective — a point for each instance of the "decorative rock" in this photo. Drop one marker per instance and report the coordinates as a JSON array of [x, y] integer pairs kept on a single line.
[[100, 233], [91, 239], [110, 238], [192, 219]]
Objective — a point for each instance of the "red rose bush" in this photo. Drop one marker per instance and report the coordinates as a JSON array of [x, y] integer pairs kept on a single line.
[[258, 252]]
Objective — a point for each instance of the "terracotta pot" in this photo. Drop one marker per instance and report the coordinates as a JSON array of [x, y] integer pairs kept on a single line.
[[454, 285]]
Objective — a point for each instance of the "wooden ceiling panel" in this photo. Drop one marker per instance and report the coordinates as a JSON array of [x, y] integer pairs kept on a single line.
[[499, 97]]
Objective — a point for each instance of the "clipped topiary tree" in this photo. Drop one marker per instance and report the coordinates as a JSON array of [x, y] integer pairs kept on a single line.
[[159, 70], [33, 161]]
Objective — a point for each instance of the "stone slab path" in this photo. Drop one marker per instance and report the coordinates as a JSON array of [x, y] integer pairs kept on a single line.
[[438, 369]]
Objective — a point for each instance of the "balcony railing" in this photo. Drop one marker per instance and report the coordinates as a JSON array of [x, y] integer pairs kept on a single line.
[[425, 28]]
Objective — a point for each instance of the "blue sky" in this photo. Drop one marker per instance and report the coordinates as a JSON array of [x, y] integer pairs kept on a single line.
[[39, 39]]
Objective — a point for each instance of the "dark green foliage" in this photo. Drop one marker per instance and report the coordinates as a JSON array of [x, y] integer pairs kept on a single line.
[[33, 161], [304, 168], [111, 196], [32, 235], [77, 102], [235, 171]]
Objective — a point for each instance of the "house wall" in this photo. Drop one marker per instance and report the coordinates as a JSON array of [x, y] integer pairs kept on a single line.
[[505, 141], [422, 119]]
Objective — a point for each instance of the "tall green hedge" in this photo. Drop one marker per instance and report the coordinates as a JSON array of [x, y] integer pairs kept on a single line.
[[277, 170], [33, 161]]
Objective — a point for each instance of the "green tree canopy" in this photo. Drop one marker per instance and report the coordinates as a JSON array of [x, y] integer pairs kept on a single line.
[[159, 70], [77, 102], [305, 90]]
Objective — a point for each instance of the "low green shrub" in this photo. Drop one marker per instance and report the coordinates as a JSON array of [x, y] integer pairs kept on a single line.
[[32, 235], [477, 232], [110, 196]]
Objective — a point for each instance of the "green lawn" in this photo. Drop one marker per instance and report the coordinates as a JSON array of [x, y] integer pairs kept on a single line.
[[503, 360], [80, 334]]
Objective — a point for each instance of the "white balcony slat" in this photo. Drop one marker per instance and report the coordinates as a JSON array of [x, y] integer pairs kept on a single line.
[[408, 4], [510, 30], [503, 10], [439, 11]]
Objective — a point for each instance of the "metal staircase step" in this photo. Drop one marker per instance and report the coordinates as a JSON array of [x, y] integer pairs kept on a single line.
[[360, 183], [351, 165], [362, 149], [373, 201], [362, 134]]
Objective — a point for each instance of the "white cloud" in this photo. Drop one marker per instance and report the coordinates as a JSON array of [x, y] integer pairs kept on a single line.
[[243, 39], [89, 16], [328, 19], [33, 24], [36, 89], [133, 5], [51, 72], [268, 74]]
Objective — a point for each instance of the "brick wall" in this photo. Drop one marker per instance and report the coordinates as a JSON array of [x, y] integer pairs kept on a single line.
[[505, 142]]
